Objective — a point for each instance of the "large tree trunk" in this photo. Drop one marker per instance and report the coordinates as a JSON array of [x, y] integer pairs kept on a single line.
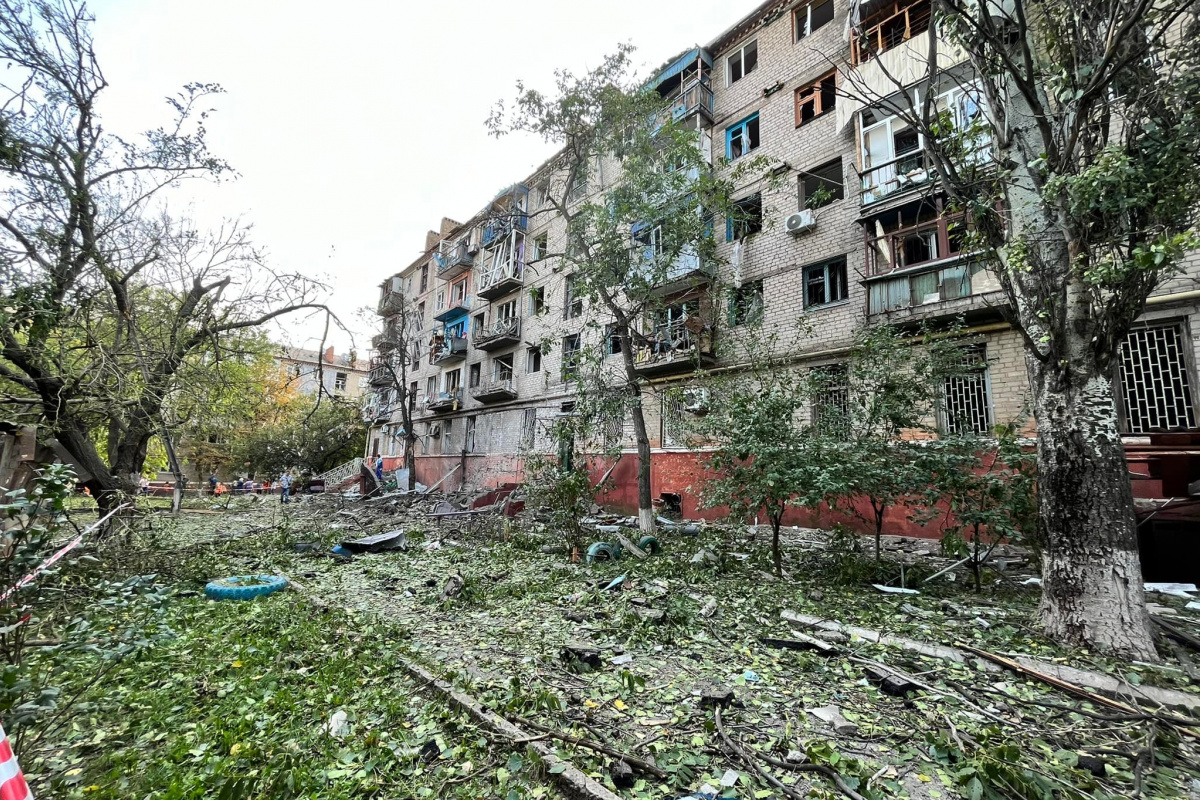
[[645, 502], [1092, 592]]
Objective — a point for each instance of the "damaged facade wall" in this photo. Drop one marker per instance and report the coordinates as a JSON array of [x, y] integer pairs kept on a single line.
[[811, 333]]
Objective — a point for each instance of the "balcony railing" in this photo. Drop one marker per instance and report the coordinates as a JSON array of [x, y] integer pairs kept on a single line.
[[903, 172], [457, 307], [677, 346], [450, 349], [498, 389], [454, 261], [696, 97], [390, 302], [894, 24], [501, 333], [380, 373], [444, 401], [385, 340]]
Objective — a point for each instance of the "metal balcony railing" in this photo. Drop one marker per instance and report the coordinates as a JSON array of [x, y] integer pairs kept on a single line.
[[894, 24], [390, 302], [451, 348], [500, 332]]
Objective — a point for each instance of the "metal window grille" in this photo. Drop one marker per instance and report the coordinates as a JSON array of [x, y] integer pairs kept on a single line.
[[1154, 380], [529, 428], [967, 396], [831, 402], [673, 432]]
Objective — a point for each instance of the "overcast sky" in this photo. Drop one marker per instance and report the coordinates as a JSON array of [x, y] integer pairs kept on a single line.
[[356, 126]]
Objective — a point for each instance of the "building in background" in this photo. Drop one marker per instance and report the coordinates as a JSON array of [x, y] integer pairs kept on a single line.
[[852, 231], [307, 369]]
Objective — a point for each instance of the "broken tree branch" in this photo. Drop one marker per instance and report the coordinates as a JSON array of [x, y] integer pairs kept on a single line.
[[633, 761]]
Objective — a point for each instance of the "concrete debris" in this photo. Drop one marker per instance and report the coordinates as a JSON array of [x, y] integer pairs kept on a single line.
[[832, 717], [704, 556], [338, 725], [380, 542]]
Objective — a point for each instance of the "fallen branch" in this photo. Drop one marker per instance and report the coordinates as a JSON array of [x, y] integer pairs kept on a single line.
[[820, 769], [633, 761], [1181, 636]]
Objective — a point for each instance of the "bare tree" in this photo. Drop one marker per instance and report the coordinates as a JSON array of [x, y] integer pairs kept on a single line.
[[106, 298], [400, 356], [1084, 204]]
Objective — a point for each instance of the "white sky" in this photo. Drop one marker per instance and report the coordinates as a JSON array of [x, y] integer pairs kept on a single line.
[[356, 126]]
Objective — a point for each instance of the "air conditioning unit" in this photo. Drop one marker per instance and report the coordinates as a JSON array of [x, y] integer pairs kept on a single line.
[[695, 401], [801, 222]]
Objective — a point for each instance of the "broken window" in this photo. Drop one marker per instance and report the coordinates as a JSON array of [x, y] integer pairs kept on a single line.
[[745, 218], [537, 300], [424, 279], [742, 62], [612, 341], [453, 379], [746, 304], [741, 138], [533, 360], [506, 310], [811, 16], [541, 194], [822, 185], [539, 246], [469, 436], [339, 382], [474, 376], [966, 395], [825, 283], [430, 386], [571, 345], [649, 241], [529, 428], [579, 188], [480, 323], [502, 368], [572, 302], [1155, 387], [817, 98]]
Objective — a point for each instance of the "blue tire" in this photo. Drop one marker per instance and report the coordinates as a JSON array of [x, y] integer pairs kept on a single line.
[[650, 545], [245, 587], [603, 551]]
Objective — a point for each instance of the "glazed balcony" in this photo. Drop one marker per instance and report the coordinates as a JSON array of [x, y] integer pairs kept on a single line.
[[386, 340], [454, 261], [444, 401], [450, 350], [501, 333], [678, 347]]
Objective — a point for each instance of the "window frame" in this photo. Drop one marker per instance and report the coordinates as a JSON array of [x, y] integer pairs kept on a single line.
[[572, 303], [814, 92], [806, 9], [732, 223], [740, 54], [839, 195], [837, 261], [533, 360], [747, 308], [736, 129]]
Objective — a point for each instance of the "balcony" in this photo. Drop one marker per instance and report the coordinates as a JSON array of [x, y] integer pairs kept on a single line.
[[390, 302], [448, 350], [377, 410], [457, 307], [893, 24], [444, 401], [454, 261], [497, 390], [920, 264], [686, 271], [504, 262], [386, 340], [501, 333], [695, 99], [380, 373], [676, 347], [902, 173]]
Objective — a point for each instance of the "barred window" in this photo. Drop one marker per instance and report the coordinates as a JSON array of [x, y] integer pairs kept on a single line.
[[831, 398], [967, 400], [1155, 386]]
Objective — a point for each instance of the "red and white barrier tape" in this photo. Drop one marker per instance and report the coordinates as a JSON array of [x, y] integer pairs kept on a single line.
[[71, 545], [12, 782]]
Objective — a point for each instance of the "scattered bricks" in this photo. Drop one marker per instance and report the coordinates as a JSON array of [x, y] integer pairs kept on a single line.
[[716, 696]]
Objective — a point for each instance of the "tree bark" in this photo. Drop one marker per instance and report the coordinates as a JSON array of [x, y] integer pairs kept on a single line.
[[637, 414], [1092, 593]]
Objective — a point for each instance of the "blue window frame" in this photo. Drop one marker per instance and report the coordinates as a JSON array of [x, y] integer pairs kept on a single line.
[[742, 137], [458, 328]]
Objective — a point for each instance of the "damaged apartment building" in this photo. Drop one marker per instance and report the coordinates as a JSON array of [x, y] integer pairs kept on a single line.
[[875, 246]]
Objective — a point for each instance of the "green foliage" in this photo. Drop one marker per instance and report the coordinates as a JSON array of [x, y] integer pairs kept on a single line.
[[308, 434], [987, 486]]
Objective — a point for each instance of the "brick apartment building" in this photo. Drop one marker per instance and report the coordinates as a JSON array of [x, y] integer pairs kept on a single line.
[[344, 375], [879, 249]]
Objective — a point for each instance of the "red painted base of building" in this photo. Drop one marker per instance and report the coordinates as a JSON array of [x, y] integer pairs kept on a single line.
[[673, 474]]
